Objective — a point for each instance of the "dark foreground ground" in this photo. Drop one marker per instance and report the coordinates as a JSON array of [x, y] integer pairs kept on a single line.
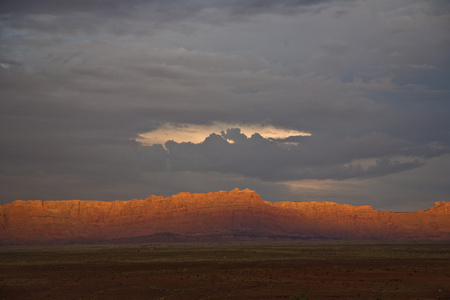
[[248, 271]]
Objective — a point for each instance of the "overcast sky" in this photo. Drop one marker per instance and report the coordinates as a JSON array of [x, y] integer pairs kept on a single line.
[[342, 101]]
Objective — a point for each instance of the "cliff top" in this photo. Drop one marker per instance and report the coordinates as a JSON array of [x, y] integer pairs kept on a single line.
[[223, 198]]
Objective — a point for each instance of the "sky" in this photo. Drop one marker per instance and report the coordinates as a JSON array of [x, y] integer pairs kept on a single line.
[[327, 100]]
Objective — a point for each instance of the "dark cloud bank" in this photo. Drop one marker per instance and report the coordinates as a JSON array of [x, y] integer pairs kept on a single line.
[[80, 80]]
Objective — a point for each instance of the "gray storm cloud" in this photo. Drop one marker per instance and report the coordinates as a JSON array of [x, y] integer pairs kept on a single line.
[[258, 157], [83, 82]]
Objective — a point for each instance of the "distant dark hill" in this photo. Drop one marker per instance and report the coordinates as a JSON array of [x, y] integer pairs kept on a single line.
[[220, 216]]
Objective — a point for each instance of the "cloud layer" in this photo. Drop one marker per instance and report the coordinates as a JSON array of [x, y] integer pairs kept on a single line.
[[92, 94]]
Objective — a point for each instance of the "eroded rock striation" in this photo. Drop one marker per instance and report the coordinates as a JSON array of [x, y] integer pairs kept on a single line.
[[220, 216]]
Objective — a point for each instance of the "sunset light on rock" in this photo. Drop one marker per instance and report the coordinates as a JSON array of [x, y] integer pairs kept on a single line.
[[296, 149], [219, 216]]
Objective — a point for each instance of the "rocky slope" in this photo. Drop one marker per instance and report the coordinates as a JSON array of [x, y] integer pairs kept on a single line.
[[221, 216]]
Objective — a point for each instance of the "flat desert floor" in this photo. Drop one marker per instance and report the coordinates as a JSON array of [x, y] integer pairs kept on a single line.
[[226, 271]]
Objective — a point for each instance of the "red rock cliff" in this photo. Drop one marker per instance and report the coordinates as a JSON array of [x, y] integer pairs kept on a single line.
[[234, 213]]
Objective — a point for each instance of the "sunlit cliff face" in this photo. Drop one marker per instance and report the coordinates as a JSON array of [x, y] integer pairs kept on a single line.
[[197, 133]]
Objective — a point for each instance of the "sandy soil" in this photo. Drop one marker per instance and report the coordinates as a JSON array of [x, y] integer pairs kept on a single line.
[[248, 271]]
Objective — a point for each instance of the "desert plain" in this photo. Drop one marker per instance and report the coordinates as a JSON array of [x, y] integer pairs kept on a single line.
[[283, 270]]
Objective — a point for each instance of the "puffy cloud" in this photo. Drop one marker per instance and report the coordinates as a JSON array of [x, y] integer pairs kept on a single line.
[[258, 157], [196, 133]]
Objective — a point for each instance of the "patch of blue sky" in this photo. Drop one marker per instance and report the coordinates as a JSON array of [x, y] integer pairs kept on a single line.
[[8, 32]]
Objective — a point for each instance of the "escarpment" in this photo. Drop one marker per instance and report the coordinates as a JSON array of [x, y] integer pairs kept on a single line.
[[219, 216]]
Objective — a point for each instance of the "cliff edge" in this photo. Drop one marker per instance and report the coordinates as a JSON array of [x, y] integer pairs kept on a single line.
[[226, 216]]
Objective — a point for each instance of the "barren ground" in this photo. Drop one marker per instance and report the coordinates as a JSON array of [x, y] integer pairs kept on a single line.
[[226, 271]]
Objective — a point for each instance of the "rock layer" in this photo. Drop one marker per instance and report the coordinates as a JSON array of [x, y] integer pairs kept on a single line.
[[219, 216]]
